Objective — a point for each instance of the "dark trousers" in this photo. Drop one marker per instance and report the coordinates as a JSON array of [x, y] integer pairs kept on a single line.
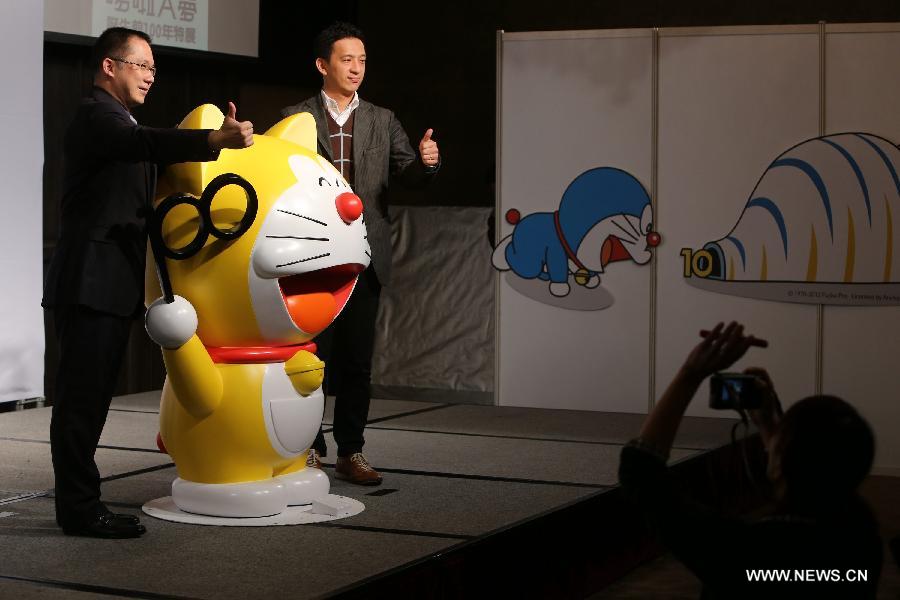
[[91, 346], [346, 347]]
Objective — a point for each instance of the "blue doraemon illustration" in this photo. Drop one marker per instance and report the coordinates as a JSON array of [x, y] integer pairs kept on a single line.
[[604, 216]]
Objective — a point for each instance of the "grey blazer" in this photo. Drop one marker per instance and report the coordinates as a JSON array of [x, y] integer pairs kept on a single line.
[[381, 153]]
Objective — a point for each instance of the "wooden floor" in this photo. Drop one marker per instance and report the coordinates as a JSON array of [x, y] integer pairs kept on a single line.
[[665, 577]]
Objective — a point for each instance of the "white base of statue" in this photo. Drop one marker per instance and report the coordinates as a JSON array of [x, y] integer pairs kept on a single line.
[[263, 498], [328, 508]]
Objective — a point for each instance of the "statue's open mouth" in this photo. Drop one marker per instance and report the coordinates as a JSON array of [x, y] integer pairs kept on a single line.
[[315, 298]]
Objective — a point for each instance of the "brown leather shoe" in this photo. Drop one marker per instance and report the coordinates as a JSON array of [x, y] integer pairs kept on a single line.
[[313, 460], [356, 469]]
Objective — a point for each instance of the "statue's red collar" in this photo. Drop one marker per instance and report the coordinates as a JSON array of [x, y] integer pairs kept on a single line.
[[257, 354]]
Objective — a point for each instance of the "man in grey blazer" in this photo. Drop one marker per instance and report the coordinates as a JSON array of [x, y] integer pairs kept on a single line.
[[368, 145]]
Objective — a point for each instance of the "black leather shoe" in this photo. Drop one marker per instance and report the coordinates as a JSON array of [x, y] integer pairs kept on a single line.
[[102, 510], [123, 517], [108, 527]]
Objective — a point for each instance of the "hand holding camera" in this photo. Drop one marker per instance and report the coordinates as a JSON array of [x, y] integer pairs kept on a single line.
[[769, 413], [752, 391], [720, 348]]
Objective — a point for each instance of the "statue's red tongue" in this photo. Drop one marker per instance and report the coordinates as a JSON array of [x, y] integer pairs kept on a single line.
[[314, 299], [312, 312]]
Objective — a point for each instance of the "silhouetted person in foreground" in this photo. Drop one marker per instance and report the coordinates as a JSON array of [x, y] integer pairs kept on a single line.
[[822, 540]]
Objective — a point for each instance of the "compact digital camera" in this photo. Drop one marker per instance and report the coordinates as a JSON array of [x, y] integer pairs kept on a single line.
[[734, 391]]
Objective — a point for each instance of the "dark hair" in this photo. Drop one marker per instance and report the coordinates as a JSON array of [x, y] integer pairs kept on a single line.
[[334, 32], [114, 42], [825, 449]]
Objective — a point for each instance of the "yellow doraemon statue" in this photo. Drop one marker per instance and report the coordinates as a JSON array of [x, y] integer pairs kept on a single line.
[[242, 400]]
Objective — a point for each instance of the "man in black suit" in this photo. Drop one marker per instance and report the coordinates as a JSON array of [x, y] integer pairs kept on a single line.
[[95, 281], [368, 146]]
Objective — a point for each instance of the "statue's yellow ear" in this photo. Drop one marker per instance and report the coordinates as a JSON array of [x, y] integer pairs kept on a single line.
[[191, 177], [206, 116], [299, 128]]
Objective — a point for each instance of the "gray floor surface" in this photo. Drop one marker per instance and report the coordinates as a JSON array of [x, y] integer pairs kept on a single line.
[[452, 473]]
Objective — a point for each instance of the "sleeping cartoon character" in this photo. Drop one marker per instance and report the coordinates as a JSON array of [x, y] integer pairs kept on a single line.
[[260, 250], [604, 216]]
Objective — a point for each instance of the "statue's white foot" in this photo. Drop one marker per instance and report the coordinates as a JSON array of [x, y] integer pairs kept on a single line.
[[302, 487], [251, 499]]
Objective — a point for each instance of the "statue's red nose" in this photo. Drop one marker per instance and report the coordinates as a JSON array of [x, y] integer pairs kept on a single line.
[[349, 206]]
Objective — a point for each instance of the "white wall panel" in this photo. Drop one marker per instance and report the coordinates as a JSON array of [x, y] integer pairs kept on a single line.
[[862, 345], [728, 105], [21, 161], [571, 102]]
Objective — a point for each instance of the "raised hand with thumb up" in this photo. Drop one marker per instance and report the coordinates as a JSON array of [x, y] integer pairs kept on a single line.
[[428, 150], [233, 133]]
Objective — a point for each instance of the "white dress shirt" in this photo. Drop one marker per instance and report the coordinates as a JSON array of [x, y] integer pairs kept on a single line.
[[340, 117]]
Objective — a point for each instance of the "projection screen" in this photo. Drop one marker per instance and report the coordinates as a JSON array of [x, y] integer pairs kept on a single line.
[[224, 26]]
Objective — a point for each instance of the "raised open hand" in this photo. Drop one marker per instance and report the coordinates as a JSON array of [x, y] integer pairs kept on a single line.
[[721, 347]]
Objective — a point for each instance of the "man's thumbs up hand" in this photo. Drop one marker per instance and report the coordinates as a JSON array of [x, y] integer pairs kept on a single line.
[[233, 133], [428, 149]]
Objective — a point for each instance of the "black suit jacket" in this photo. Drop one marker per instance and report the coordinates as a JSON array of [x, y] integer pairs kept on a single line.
[[110, 180], [381, 152]]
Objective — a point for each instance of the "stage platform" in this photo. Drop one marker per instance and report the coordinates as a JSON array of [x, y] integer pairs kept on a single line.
[[476, 501]]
